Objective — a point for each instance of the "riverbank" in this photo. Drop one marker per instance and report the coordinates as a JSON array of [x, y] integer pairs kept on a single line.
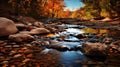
[[51, 43]]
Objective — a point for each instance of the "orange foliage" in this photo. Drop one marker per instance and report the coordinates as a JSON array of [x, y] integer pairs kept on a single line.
[[65, 14], [53, 8], [45, 8]]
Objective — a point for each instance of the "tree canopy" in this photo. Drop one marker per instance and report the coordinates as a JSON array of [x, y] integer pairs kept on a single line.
[[101, 8], [55, 8], [44, 8]]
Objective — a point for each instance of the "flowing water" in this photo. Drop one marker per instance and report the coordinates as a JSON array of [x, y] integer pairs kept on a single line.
[[67, 38]]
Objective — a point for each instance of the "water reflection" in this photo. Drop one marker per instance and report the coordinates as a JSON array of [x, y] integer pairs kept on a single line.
[[97, 31], [65, 59], [72, 58], [75, 31]]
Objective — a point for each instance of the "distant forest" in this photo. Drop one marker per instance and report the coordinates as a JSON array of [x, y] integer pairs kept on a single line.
[[55, 9]]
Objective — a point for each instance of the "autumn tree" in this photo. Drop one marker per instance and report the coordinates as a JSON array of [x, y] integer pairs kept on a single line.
[[53, 8], [101, 8], [76, 14], [65, 14], [49, 8], [20, 6]]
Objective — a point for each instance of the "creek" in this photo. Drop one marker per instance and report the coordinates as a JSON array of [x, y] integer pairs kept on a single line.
[[66, 46]]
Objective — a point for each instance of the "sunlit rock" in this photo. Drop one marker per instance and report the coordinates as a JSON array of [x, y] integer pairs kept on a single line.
[[24, 32], [17, 56], [39, 31], [7, 27]]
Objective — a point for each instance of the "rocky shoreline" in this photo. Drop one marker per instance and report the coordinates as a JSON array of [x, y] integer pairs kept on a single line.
[[19, 41]]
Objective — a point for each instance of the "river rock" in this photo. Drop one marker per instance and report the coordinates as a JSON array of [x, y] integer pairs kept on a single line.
[[114, 48], [95, 50], [39, 31], [17, 56], [26, 60], [20, 26], [24, 32], [59, 47], [7, 27], [38, 24], [107, 40], [30, 27], [63, 48], [80, 36], [114, 53], [21, 37]]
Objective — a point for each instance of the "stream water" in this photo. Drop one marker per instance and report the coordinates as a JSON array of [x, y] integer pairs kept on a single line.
[[67, 38]]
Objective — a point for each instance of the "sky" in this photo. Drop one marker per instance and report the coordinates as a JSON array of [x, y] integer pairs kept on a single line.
[[72, 4]]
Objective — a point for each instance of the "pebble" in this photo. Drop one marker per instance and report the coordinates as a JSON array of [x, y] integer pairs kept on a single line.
[[17, 56], [2, 58], [16, 46], [28, 51], [5, 62], [8, 46], [12, 52], [26, 60], [29, 55], [29, 45], [1, 42]]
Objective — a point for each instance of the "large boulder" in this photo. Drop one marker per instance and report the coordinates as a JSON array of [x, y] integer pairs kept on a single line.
[[95, 50], [7, 27], [39, 31], [21, 37]]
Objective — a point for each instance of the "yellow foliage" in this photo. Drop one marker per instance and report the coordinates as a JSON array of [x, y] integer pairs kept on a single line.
[[104, 13]]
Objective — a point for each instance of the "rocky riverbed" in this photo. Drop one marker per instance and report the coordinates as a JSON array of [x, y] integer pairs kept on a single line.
[[26, 42]]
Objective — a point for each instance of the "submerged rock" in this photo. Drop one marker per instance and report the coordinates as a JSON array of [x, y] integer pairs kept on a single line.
[[7, 27]]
